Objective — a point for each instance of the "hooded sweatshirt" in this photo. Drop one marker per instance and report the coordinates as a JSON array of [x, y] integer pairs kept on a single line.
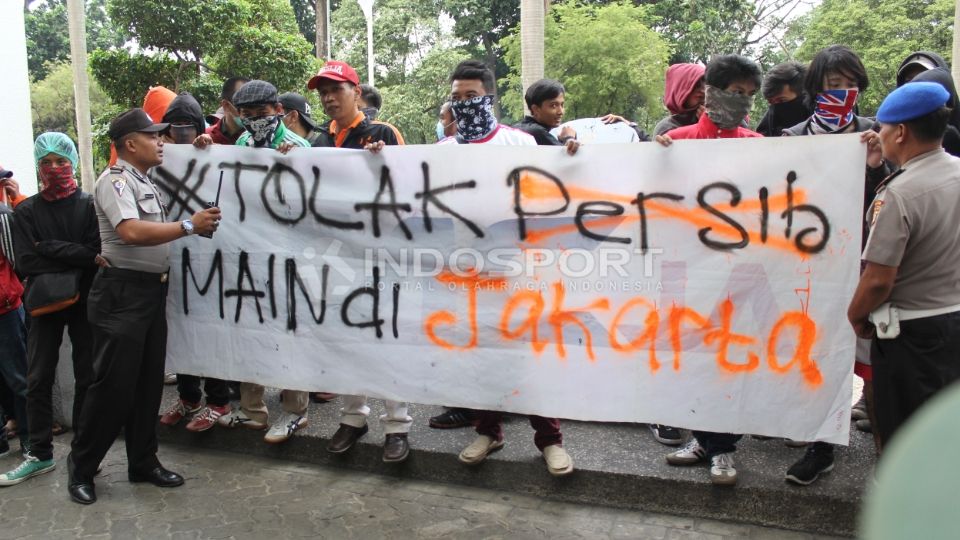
[[155, 103], [185, 108], [924, 57], [682, 80], [951, 139]]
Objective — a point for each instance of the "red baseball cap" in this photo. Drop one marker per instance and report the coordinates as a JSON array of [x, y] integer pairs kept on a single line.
[[335, 71]]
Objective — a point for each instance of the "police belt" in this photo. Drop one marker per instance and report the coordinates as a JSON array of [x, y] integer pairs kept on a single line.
[[134, 275], [911, 314]]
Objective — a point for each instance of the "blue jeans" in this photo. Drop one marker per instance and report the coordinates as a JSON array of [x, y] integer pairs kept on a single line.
[[13, 366]]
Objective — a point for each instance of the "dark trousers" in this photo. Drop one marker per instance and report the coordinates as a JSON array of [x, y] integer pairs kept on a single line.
[[547, 430], [909, 369], [43, 353], [13, 367], [188, 386], [127, 312], [717, 443]]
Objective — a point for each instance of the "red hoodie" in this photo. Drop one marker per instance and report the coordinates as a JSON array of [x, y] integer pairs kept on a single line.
[[682, 79]]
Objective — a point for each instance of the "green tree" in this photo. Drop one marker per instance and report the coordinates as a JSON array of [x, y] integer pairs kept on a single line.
[[194, 44], [413, 106], [484, 24], [52, 102], [48, 41], [882, 32], [607, 57]]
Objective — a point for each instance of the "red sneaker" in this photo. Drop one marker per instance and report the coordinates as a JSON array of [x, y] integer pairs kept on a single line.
[[207, 418], [177, 413]]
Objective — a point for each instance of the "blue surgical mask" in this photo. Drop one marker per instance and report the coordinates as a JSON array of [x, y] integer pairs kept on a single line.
[[440, 135]]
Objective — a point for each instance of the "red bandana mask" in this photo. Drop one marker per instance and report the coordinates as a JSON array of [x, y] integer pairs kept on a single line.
[[57, 182]]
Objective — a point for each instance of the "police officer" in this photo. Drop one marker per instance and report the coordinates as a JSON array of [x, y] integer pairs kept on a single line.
[[908, 300], [127, 311]]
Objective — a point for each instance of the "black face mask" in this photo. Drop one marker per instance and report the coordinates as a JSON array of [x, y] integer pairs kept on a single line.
[[789, 113]]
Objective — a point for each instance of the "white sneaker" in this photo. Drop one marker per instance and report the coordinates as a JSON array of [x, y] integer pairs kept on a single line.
[[236, 418], [722, 470], [479, 450], [284, 428], [558, 460], [690, 454]]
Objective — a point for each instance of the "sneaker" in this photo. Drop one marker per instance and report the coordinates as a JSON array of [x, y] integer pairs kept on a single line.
[[723, 472], [4, 443], [169, 378], [30, 467], [667, 435], [558, 460], [859, 409], [790, 443], [479, 449], [864, 425], [817, 460], [454, 418], [207, 418], [322, 397], [236, 418], [688, 455], [180, 410], [284, 428]]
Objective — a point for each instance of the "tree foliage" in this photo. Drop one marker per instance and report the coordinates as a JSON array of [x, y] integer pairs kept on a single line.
[[607, 57], [48, 41], [194, 44], [882, 32], [52, 102]]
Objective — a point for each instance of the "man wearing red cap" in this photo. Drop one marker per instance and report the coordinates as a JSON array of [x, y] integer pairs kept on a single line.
[[340, 94]]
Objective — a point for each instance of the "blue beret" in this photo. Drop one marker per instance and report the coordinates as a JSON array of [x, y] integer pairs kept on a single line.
[[911, 101]]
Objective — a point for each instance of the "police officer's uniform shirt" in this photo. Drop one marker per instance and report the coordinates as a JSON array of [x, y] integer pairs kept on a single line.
[[122, 193], [916, 227]]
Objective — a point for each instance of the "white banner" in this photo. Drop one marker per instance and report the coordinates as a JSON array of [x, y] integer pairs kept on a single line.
[[703, 285]]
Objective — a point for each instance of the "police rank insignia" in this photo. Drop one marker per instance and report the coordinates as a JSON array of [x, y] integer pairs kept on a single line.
[[877, 205], [119, 184]]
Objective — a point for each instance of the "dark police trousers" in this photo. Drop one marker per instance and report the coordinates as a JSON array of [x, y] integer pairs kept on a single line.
[[43, 348], [127, 312], [909, 369]]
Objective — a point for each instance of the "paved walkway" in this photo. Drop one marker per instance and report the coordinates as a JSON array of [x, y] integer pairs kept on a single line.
[[235, 496]]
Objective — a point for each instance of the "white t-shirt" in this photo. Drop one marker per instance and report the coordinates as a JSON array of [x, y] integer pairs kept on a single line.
[[503, 135]]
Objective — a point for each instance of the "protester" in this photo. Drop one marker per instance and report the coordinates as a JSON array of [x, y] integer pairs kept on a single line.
[[833, 83], [13, 332], [185, 116], [297, 117], [683, 95], [127, 311], [731, 82], [907, 300], [545, 100], [941, 76], [370, 101], [446, 124], [917, 63], [338, 86], [261, 112], [783, 89], [229, 128], [472, 96], [349, 127], [56, 241]]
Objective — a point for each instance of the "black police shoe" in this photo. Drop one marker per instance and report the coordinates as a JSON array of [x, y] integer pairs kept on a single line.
[[157, 476]]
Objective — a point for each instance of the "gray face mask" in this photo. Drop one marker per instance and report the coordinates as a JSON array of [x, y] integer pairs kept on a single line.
[[726, 109]]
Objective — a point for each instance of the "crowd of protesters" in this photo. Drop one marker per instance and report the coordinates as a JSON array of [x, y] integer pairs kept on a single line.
[[96, 264]]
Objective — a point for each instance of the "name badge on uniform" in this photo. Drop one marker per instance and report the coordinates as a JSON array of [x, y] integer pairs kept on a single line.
[[119, 184]]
